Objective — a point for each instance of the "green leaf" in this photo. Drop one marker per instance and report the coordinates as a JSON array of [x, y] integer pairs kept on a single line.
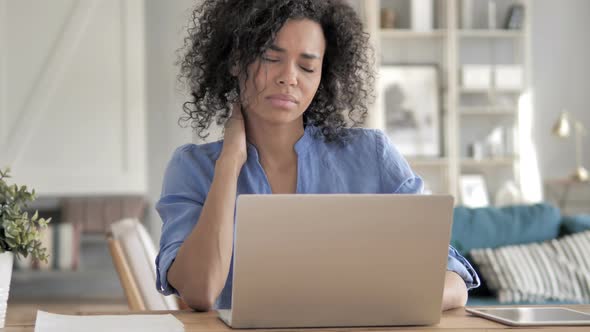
[[19, 233]]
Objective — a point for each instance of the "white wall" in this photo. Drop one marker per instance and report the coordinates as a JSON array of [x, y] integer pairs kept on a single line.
[[165, 21], [71, 96], [561, 79]]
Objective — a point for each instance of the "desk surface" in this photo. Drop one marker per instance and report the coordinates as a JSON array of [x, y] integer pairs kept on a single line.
[[456, 320]]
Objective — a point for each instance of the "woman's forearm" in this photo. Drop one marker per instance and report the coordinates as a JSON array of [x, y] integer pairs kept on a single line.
[[455, 292], [202, 264]]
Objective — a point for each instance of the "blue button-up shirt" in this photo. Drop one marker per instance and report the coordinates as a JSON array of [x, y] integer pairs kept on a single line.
[[367, 163]]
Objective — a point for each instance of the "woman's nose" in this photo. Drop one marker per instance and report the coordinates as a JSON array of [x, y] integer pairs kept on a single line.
[[287, 75]]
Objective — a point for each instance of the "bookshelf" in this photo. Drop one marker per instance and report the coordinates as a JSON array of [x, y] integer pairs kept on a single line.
[[80, 265], [496, 33], [409, 34], [94, 279], [488, 111], [462, 33], [100, 284]]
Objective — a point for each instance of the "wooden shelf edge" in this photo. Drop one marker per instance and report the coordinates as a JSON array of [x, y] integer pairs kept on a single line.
[[487, 113], [490, 33], [490, 90], [427, 162], [488, 162], [408, 33]]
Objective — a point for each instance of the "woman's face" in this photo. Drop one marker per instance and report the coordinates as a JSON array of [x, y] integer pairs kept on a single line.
[[282, 83]]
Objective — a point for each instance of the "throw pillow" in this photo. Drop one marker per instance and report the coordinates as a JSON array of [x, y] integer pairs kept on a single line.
[[576, 224], [493, 227], [556, 270]]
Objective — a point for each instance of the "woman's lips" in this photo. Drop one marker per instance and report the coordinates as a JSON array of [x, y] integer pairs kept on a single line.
[[282, 103]]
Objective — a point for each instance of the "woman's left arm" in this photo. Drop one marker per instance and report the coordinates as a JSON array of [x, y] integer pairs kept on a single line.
[[459, 278], [398, 177], [455, 292]]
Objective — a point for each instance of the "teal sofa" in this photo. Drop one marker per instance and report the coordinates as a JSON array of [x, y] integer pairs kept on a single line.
[[492, 227]]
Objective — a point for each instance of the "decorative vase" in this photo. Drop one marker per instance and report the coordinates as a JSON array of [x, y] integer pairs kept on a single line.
[[387, 18], [6, 261], [508, 194]]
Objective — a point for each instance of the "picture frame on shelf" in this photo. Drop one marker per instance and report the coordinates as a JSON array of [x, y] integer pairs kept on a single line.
[[473, 190], [515, 17], [409, 98]]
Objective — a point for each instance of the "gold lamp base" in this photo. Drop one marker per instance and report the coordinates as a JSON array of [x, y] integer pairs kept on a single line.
[[562, 129], [581, 174]]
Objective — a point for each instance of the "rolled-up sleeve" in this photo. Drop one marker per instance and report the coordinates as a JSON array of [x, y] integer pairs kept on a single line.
[[397, 176], [463, 268], [184, 190]]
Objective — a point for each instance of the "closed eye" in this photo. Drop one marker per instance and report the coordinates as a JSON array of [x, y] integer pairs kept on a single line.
[[266, 59]]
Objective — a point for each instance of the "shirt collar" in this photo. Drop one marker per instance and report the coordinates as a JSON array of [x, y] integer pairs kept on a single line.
[[303, 143], [301, 146]]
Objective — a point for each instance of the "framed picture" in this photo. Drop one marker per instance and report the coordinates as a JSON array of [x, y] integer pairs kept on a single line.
[[515, 17], [473, 190], [409, 98]]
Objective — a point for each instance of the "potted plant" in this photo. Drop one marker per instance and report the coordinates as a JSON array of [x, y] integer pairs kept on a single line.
[[19, 233]]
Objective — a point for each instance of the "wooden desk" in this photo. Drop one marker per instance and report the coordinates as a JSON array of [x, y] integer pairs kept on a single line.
[[452, 320]]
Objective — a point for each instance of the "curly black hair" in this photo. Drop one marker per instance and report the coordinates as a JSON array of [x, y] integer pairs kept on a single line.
[[226, 33]]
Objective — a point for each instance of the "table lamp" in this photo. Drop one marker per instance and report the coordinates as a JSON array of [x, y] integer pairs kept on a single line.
[[562, 128]]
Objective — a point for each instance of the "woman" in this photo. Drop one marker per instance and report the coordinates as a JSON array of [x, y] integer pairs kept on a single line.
[[288, 79]]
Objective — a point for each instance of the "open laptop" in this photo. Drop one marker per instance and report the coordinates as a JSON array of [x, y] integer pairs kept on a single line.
[[339, 260]]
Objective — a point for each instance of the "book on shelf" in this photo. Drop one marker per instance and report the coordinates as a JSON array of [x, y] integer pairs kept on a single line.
[[515, 17], [62, 241], [65, 252], [46, 236], [76, 240]]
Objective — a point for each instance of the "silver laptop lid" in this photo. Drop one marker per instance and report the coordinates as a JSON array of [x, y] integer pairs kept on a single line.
[[340, 260]]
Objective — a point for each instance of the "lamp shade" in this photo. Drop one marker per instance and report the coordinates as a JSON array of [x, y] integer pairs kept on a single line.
[[562, 127]]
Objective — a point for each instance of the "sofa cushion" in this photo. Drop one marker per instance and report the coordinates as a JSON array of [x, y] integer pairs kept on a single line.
[[493, 227], [576, 224], [555, 270]]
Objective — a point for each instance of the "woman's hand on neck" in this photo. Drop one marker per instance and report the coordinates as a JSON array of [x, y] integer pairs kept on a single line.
[[234, 148]]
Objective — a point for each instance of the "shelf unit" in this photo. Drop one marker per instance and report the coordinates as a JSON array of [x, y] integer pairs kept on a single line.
[[489, 91], [488, 111], [465, 113], [489, 162], [94, 278], [481, 33], [428, 162], [94, 284], [407, 33]]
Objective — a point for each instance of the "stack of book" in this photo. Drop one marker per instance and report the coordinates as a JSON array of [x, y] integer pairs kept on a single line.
[[62, 241]]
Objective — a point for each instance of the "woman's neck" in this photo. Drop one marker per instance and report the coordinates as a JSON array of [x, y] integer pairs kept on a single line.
[[275, 143]]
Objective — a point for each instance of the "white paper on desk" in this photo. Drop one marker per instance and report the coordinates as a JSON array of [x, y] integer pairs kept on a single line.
[[48, 322]]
